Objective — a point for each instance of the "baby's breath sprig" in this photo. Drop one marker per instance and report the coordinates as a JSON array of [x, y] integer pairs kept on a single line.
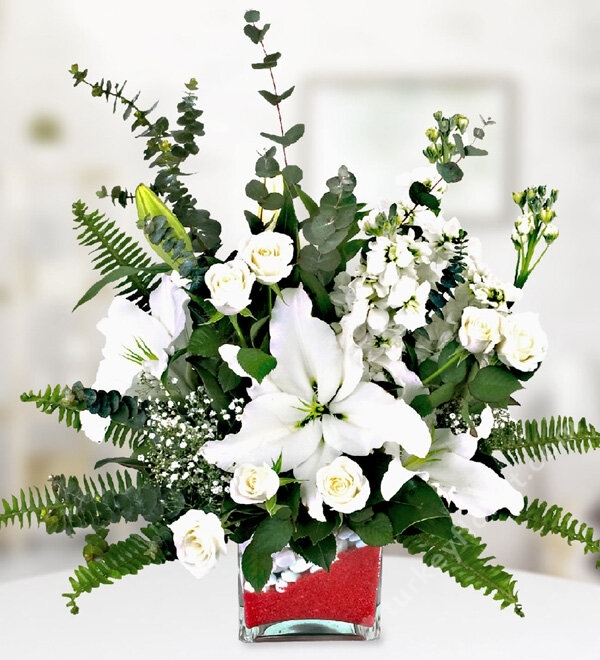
[[171, 444]]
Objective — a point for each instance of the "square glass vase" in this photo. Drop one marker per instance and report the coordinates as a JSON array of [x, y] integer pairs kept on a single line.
[[304, 602]]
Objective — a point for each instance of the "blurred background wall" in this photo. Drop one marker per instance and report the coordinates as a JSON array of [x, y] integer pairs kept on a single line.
[[368, 77]]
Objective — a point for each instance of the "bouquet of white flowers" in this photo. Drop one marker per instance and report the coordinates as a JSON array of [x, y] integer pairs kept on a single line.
[[346, 372]]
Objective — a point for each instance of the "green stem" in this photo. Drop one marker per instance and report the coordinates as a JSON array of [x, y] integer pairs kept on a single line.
[[455, 358], [238, 331]]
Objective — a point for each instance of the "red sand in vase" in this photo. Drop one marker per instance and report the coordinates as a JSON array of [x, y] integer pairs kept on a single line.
[[348, 592]]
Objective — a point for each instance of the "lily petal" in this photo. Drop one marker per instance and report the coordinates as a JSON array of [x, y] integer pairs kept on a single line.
[[307, 471], [305, 347], [395, 477], [270, 428], [472, 486]]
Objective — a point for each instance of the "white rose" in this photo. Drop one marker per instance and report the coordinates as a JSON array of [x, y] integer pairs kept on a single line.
[[342, 485], [479, 330], [199, 540], [229, 285], [269, 256], [251, 484], [524, 344]]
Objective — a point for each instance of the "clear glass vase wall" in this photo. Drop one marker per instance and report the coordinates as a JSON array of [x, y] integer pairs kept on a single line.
[[304, 602]]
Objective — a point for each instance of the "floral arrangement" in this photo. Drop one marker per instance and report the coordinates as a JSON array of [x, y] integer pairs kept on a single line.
[[347, 372]]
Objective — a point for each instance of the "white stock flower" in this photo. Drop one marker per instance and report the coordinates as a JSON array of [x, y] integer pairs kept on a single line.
[[269, 255], [137, 342], [252, 484], [479, 330], [314, 406], [230, 285], [342, 485], [200, 541], [470, 485], [524, 344], [410, 298]]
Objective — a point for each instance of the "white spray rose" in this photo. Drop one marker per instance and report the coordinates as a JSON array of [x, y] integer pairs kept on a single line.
[[229, 285], [269, 255], [524, 344], [199, 540], [479, 329], [252, 484], [342, 485]]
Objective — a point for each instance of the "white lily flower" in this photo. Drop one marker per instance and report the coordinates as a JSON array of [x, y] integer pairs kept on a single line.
[[137, 342], [314, 406], [448, 468]]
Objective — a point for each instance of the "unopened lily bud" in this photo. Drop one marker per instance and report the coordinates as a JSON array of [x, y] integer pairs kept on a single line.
[[150, 206], [274, 185], [547, 215]]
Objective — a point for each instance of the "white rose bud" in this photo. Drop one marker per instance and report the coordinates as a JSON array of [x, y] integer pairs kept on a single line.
[[269, 256], [479, 329], [199, 540], [524, 344], [252, 484], [229, 285], [342, 485]]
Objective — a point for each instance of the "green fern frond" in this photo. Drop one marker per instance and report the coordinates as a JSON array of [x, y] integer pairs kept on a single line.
[[461, 559], [123, 558], [546, 519], [68, 504], [57, 399], [113, 250], [541, 440]]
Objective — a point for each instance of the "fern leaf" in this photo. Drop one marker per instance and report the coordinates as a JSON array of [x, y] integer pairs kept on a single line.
[[461, 559], [68, 504], [546, 519], [57, 399], [112, 249], [541, 440], [123, 558]]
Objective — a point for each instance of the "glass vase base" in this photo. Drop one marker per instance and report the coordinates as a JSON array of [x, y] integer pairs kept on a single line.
[[308, 630]]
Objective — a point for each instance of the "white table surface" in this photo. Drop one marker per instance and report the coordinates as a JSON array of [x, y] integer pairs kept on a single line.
[[163, 612]]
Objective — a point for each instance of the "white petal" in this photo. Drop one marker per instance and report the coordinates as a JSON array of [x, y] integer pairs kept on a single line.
[[229, 353], [168, 304], [472, 486], [395, 477], [305, 347], [269, 430], [383, 418], [307, 471], [93, 426], [463, 444]]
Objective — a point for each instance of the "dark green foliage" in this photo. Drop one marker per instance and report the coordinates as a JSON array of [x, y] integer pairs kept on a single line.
[[519, 441], [450, 279], [112, 250], [112, 562], [330, 228], [167, 150], [461, 559], [69, 505]]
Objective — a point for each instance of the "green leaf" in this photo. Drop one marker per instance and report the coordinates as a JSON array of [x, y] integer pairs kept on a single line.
[[118, 274], [474, 151], [378, 531], [321, 554], [493, 384], [256, 363], [275, 99], [266, 166], [315, 530], [204, 341], [415, 503], [292, 174], [252, 16], [289, 137], [256, 190], [419, 194], [450, 172]]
